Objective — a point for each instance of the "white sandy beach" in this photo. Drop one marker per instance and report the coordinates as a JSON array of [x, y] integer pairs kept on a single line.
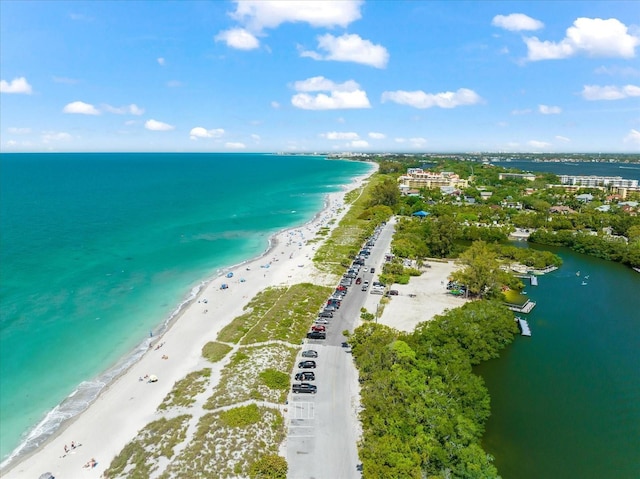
[[129, 403]]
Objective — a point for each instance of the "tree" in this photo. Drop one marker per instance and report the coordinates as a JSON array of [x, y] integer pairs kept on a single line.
[[482, 271], [386, 193]]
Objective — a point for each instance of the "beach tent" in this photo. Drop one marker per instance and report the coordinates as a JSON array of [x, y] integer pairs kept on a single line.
[[421, 214], [153, 378]]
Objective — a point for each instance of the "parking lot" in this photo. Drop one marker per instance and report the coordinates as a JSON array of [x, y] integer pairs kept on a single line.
[[323, 427]]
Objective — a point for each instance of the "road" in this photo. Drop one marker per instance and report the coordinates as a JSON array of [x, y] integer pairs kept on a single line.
[[324, 427]]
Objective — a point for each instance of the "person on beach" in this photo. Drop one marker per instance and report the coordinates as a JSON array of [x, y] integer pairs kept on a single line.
[[66, 449]]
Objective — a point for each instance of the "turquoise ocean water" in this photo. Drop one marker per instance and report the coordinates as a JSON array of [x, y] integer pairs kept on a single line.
[[99, 250]]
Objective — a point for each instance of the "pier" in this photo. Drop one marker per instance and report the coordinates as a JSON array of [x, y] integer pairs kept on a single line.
[[524, 326], [523, 308]]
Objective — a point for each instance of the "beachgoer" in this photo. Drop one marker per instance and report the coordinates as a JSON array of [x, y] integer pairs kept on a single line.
[[73, 445], [66, 449]]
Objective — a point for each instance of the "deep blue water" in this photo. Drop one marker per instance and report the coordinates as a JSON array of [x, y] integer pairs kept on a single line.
[[98, 249]]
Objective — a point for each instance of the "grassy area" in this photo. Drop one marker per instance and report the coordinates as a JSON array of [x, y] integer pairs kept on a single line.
[[243, 378], [257, 307], [214, 351], [227, 443], [290, 314], [184, 391], [139, 458], [345, 240]]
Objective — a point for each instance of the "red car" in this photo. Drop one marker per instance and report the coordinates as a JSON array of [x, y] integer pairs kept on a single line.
[[359, 280], [318, 328]]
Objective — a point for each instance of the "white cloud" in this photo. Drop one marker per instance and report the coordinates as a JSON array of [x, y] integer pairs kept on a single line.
[[161, 61], [54, 136], [539, 145], [255, 137], [418, 142], [334, 101], [349, 48], [174, 83], [549, 110], [358, 144], [594, 37], [525, 111], [321, 83], [399, 140], [563, 138], [633, 137], [132, 109], [516, 22], [11, 143], [235, 145], [17, 85], [377, 136], [238, 38], [275, 105], [345, 95], [257, 15], [19, 131], [155, 125], [420, 99], [80, 108], [340, 135], [200, 132], [609, 92], [618, 71], [66, 81]]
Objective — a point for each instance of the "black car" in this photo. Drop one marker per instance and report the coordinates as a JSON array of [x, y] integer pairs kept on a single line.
[[304, 388], [306, 376], [373, 270], [307, 364], [326, 314], [309, 353]]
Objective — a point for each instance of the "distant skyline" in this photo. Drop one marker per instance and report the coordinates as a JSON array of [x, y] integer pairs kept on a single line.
[[320, 76]]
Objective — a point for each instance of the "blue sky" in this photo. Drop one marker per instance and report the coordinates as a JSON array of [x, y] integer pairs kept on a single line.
[[320, 76]]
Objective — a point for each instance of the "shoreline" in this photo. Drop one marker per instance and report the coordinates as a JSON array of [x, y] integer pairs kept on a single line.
[[333, 208]]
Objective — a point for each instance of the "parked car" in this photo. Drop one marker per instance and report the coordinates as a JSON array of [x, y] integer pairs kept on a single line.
[[359, 280], [373, 270], [316, 335], [321, 321], [393, 292], [331, 309], [318, 328], [307, 364], [326, 314], [309, 353], [304, 388], [306, 376]]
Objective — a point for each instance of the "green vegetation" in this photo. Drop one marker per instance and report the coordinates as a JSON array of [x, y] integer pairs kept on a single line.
[[227, 444], [214, 351], [424, 409], [139, 459], [184, 391], [337, 252], [269, 466], [244, 378], [240, 416], [276, 314], [275, 379]]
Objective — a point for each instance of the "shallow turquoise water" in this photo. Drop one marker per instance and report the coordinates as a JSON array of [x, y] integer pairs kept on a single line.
[[97, 250]]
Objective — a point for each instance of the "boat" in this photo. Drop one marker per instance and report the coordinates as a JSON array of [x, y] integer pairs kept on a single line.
[[578, 273], [584, 283]]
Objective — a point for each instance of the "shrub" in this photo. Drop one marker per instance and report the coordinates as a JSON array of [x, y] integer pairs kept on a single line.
[[269, 466]]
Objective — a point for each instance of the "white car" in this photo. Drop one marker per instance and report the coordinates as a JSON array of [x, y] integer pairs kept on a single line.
[[322, 321]]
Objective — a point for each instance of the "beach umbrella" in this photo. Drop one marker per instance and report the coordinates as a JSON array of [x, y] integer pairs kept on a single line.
[[46, 475], [421, 213], [153, 378]]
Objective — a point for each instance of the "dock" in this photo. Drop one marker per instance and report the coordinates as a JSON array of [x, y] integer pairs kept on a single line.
[[534, 280], [524, 308], [524, 326]]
